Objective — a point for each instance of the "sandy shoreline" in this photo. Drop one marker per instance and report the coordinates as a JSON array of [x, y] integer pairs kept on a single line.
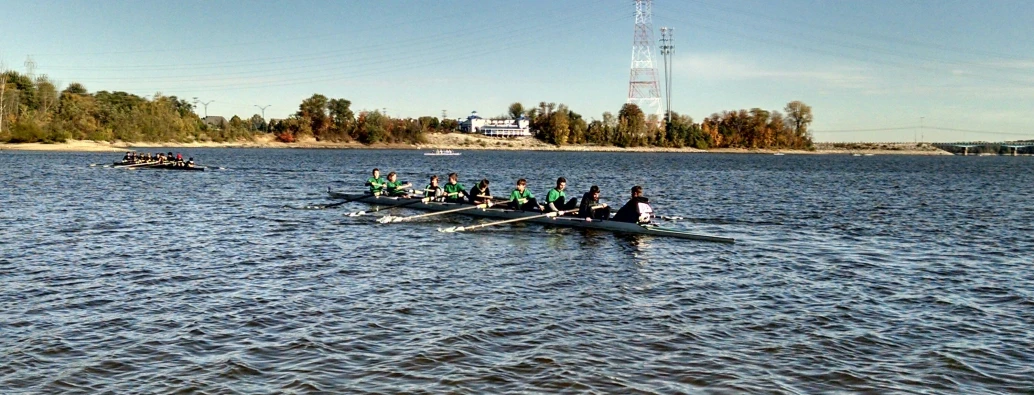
[[453, 141]]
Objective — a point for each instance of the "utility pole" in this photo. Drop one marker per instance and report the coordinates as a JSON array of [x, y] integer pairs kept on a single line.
[[264, 115], [204, 103], [667, 48]]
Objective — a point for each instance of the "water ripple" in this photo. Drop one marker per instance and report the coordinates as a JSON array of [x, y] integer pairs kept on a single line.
[[881, 275]]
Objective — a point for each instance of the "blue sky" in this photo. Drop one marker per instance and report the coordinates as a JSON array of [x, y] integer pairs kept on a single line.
[[871, 70]]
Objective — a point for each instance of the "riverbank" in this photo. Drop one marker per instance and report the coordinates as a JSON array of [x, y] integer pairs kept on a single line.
[[456, 142]]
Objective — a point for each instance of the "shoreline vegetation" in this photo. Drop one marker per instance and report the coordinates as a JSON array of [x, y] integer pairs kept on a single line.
[[465, 142], [36, 115]]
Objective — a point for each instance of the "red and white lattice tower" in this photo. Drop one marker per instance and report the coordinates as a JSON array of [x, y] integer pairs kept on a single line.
[[643, 90]]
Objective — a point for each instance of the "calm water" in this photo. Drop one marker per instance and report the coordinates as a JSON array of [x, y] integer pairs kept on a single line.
[[850, 274]]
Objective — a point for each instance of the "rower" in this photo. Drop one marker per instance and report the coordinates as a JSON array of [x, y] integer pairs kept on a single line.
[[591, 207], [396, 188], [522, 199], [480, 194], [376, 183], [432, 190], [128, 158], [637, 210], [555, 198], [454, 191]]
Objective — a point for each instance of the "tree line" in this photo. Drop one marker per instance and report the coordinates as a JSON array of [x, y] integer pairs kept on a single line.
[[33, 110], [754, 128]]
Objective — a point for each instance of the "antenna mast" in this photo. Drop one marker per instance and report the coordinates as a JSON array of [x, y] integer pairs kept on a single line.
[[667, 48], [642, 82]]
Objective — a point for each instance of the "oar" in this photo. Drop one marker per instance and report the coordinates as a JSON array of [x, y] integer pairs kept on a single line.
[[424, 200], [325, 206], [465, 228], [388, 218]]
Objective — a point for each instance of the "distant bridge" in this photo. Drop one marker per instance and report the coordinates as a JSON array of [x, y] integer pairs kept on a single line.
[[985, 148], [1012, 148]]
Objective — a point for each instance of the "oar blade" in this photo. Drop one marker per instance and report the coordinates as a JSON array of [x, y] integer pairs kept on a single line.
[[451, 229], [387, 219]]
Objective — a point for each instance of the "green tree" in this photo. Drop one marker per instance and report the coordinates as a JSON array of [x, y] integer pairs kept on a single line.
[[372, 127], [578, 128], [342, 118], [76, 113], [516, 110], [631, 126], [559, 126], [314, 111], [47, 98], [256, 123], [448, 125], [76, 88], [798, 117]]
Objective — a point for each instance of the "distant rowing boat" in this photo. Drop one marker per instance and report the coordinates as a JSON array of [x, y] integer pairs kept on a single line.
[[442, 152], [498, 213], [155, 165]]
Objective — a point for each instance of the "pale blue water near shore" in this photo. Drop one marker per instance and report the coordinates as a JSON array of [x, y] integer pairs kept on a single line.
[[850, 274]]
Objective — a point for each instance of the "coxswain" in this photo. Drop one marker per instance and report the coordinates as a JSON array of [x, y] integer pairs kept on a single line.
[[591, 208], [376, 183], [394, 187], [480, 194], [128, 158], [555, 198], [190, 162], [454, 191], [637, 210], [432, 190], [522, 199]]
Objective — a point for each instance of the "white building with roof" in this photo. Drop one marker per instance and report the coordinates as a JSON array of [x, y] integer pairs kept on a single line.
[[520, 127]]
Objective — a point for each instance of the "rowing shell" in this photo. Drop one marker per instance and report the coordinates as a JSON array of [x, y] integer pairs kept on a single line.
[[572, 222], [156, 165]]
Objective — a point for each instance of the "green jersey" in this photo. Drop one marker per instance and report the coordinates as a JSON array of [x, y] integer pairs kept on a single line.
[[392, 188], [519, 197], [376, 184], [454, 191], [555, 195]]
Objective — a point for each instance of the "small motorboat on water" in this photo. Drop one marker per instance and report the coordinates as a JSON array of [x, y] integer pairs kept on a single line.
[[442, 152]]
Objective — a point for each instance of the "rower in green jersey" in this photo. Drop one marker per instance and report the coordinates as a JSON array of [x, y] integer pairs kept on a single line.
[[394, 187], [522, 199], [376, 183], [555, 198], [454, 191]]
